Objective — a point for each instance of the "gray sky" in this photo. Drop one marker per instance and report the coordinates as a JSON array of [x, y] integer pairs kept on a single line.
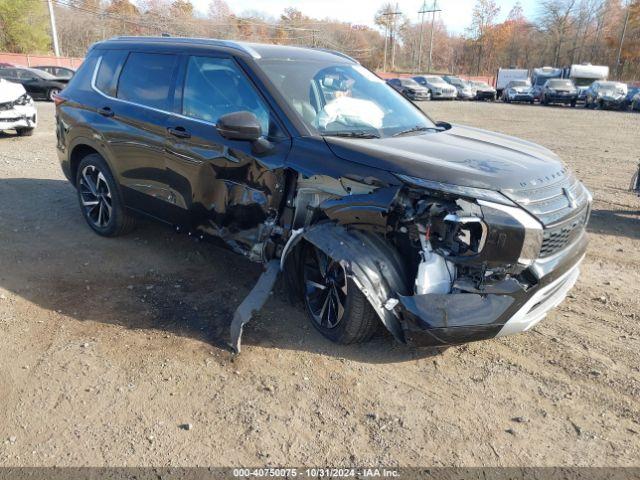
[[456, 14]]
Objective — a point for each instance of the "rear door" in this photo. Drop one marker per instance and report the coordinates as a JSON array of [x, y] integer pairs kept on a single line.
[[137, 90], [225, 185]]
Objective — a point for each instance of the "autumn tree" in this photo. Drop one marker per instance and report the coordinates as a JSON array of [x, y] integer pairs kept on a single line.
[[483, 19], [23, 26]]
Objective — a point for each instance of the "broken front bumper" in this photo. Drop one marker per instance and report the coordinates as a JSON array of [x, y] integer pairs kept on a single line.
[[18, 117], [504, 309]]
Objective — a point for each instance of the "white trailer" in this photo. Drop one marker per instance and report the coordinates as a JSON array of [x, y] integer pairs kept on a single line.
[[506, 75], [583, 75]]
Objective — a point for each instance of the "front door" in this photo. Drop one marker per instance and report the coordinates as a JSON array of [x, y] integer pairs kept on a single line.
[[228, 187]]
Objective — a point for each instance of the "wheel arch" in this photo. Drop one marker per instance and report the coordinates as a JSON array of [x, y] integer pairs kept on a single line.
[[80, 148], [370, 261]]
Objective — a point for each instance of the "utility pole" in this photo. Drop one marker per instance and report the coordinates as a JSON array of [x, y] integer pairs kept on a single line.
[[388, 33], [624, 32], [433, 21], [422, 11], [54, 31]]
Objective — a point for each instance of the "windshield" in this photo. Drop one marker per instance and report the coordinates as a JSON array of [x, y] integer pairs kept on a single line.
[[343, 99], [520, 83], [409, 83], [436, 80], [457, 81], [561, 84], [610, 85]]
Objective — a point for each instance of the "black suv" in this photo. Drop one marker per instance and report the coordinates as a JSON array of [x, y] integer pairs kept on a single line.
[[309, 163]]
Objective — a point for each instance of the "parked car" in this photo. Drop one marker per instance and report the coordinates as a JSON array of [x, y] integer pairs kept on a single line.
[[484, 91], [559, 90], [37, 83], [606, 94], [635, 103], [632, 91], [439, 89], [508, 75], [410, 89], [540, 76], [464, 89], [58, 72], [17, 111], [316, 167], [518, 91]]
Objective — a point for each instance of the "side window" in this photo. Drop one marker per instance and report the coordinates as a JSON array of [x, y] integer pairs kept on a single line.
[[147, 78], [110, 67], [216, 86]]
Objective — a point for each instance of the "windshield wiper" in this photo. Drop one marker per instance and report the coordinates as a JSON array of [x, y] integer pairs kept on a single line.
[[352, 134], [416, 129]]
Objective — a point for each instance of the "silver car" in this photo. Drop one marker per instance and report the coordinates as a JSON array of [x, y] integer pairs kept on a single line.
[[440, 90]]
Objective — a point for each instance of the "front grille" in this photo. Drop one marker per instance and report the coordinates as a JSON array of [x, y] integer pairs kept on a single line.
[[559, 236], [552, 203], [6, 106]]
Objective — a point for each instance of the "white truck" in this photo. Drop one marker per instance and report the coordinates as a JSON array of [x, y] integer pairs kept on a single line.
[[583, 75], [506, 75]]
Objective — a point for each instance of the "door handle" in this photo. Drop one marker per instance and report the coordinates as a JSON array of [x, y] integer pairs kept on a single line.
[[179, 132], [105, 112]]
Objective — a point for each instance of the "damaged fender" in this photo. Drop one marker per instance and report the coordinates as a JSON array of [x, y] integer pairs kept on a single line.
[[373, 265]]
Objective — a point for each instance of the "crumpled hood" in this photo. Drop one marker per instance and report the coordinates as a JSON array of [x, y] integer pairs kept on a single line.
[[462, 156], [10, 91]]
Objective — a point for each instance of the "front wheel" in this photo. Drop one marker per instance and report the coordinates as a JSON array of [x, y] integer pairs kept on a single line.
[[24, 132], [336, 306], [100, 199]]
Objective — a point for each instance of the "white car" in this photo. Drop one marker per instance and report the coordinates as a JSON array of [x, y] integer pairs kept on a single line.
[[17, 110]]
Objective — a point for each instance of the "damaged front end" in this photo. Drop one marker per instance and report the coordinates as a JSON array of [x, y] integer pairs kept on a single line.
[[442, 264]]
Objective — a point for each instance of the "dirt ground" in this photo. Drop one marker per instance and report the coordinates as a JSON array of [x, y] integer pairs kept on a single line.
[[110, 347]]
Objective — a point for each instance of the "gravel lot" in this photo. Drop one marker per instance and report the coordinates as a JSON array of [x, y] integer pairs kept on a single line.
[[110, 347]]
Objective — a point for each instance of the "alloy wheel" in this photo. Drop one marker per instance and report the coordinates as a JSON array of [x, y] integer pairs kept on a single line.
[[325, 288], [53, 93], [95, 196]]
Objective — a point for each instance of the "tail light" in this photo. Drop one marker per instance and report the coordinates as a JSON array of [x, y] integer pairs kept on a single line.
[[59, 100]]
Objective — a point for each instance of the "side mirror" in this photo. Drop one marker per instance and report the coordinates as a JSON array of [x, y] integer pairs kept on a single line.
[[444, 125], [239, 126]]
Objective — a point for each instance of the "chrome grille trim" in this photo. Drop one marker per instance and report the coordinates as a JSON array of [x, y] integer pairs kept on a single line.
[[553, 203]]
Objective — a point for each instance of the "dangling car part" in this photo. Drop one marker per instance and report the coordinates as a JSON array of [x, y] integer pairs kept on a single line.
[[306, 162], [17, 110]]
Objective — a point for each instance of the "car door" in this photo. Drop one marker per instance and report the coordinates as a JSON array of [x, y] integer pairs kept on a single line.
[[225, 185], [136, 97]]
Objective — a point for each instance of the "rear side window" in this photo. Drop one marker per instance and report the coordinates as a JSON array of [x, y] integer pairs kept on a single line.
[[110, 67], [147, 79]]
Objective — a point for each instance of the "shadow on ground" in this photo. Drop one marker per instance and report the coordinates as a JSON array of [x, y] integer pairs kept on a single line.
[[616, 222], [151, 279]]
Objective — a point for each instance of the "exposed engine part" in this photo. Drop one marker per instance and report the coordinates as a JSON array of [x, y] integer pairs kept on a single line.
[[435, 273]]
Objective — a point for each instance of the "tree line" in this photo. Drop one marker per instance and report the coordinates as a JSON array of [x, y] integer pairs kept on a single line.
[[563, 32]]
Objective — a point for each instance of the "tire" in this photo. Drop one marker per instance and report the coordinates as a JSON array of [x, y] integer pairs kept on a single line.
[[25, 132], [573, 104], [100, 198], [51, 94], [357, 323]]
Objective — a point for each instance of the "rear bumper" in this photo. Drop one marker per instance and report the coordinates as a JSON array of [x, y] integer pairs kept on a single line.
[[438, 320]]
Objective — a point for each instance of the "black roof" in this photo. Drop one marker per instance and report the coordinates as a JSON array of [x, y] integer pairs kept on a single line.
[[254, 50]]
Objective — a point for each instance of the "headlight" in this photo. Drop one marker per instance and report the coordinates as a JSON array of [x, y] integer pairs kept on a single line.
[[23, 100], [533, 233], [457, 190]]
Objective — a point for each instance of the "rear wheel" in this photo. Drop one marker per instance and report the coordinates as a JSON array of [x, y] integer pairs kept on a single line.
[[52, 94], [100, 199], [336, 306]]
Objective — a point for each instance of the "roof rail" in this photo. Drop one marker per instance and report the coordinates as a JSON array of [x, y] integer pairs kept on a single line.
[[200, 41], [339, 54]]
